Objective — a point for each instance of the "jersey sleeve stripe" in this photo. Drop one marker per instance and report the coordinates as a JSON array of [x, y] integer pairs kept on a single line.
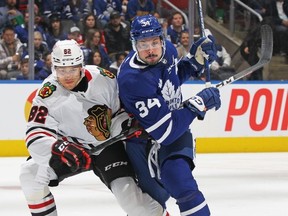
[[166, 134], [159, 123], [39, 132]]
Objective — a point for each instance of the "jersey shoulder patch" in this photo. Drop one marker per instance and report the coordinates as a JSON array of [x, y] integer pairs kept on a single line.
[[106, 73], [47, 90]]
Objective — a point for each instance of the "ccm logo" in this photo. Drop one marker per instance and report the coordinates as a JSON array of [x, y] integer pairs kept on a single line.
[[116, 164]]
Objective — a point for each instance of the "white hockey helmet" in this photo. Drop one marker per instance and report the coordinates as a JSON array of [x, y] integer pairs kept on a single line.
[[67, 53]]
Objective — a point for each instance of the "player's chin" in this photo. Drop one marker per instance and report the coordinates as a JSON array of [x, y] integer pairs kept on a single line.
[[152, 61], [69, 85]]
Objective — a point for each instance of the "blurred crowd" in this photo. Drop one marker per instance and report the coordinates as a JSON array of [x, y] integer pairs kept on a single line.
[[274, 14], [102, 27]]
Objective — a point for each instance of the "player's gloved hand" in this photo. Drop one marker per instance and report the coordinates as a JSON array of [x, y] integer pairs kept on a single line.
[[133, 128], [73, 155], [206, 99], [203, 48]]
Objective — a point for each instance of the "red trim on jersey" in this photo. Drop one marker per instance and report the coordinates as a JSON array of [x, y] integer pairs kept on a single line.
[[42, 132], [41, 205], [88, 75]]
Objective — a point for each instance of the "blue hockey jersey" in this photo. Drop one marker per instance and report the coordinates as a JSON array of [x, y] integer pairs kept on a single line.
[[152, 93]]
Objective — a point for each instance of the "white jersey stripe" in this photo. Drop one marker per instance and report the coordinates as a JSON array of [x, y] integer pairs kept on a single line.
[[159, 123], [166, 134], [195, 209]]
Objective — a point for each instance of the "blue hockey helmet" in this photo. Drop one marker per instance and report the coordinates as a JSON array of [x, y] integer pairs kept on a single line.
[[144, 27]]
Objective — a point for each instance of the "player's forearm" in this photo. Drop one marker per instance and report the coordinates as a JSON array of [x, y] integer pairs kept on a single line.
[[40, 150]]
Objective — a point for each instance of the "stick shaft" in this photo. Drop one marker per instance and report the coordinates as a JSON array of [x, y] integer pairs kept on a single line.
[[202, 30]]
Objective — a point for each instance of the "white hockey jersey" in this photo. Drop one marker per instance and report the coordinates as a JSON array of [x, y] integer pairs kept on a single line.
[[82, 117]]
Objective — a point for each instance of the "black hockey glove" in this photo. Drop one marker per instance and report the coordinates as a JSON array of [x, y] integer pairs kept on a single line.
[[73, 155], [206, 99]]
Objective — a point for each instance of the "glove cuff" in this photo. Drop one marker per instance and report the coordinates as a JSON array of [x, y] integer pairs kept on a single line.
[[196, 105]]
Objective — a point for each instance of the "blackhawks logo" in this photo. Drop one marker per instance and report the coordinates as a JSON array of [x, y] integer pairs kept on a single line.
[[98, 122], [107, 73], [47, 90]]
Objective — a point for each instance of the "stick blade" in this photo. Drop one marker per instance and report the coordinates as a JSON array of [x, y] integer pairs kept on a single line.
[[266, 43], [265, 56]]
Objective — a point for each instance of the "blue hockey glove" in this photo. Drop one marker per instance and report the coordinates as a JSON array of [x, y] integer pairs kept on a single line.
[[206, 99], [211, 98], [202, 48]]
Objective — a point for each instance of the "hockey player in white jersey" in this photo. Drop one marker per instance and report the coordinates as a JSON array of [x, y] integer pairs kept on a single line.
[[75, 109]]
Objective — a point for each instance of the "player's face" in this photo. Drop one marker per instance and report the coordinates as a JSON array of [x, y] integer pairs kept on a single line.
[[149, 50], [69, 76]]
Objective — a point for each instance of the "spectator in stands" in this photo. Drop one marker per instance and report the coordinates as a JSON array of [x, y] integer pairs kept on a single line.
[[163, 22], [116, 64], [11, 49], [40, 48], [62, 9], [10, 15], [46, 69], [24, 68], [280, 23], [76, 35], [184, 45], [117, 35], [79, 9], [93, 44], [249, 51], [221, 68], [124, 8], [22, 5], [90, 22], [103, 8], [55, 31], [95, 58], [176, 27], [259, 6], [139, 8], [223, 58], [22, 30]]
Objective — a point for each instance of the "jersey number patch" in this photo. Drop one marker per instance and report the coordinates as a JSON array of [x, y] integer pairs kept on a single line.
[[38, 114], [144, 109]]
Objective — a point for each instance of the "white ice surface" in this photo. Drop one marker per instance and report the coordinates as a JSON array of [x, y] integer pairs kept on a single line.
[[250, 184]]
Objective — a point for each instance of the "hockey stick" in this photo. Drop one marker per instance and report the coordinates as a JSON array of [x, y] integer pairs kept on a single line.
[[135, 131], [265, 57], [202, 30]]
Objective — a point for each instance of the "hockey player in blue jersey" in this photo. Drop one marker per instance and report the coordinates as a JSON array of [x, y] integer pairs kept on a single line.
[[150, 80]]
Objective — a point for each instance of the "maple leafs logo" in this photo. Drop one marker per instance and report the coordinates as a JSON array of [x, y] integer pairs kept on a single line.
[[171, 96]]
